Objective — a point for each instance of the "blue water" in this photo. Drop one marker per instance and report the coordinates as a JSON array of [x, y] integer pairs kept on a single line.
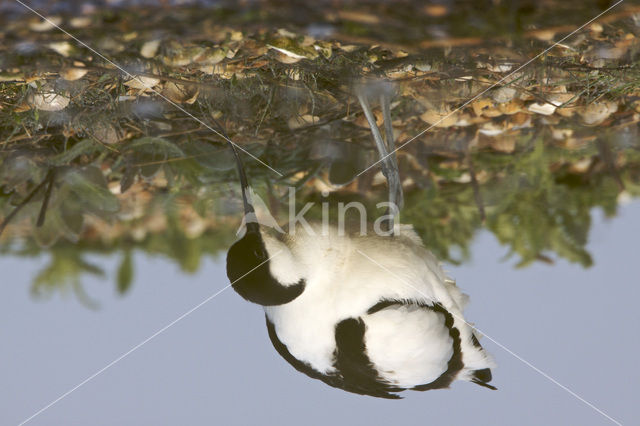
[[216, 365]]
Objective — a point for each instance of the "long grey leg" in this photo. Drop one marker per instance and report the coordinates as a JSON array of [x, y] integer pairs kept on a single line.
[[385, 103], [389, 165]]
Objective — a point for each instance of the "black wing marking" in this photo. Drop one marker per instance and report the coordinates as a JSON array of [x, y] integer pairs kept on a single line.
[[357, 374], [481, 377], [357, 367]]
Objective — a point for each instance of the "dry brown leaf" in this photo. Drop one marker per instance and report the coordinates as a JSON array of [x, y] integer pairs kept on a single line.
[[221, 70], [180, 93], [361, 17], [48, 25], [566, 111], [545, 35], [542, 108], [502, 143], [361, 120], [22, 107], [597, 112], [561, 99], [298, 122], [512, 107], [503, 94], [179, 56], [435, 10], [561, 134], [437, 119], [142, 82], [80, 22], [286, 59], [73, 73], [491, 129], [521, 120], [213, 55], [63, 48], [486, 107], [105, 133], [150, 48], [581, 166], [48, 100], [496, 67]]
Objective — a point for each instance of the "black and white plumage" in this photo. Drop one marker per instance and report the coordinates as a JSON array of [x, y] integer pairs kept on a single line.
[[368, 329], [370, 314]]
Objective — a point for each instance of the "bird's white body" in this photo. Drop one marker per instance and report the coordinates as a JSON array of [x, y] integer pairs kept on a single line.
[[346, 275]]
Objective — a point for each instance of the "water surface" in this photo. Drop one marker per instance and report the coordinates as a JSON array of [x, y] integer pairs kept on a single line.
[[524, 182]]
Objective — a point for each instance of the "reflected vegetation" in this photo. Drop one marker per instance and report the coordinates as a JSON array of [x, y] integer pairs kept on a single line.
[[107, 167], [541, 215]]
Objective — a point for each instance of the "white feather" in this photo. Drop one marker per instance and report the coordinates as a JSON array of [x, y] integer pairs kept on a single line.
[[342, 283], [410, 346]]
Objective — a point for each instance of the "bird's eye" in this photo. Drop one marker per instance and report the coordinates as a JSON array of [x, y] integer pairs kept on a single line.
[[260, 254]]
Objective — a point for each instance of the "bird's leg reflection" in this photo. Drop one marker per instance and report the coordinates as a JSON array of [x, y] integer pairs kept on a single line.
[[389, 163], [395, 190]]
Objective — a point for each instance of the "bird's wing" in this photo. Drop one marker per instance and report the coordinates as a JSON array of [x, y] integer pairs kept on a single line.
[[413, 344], [354, 372]]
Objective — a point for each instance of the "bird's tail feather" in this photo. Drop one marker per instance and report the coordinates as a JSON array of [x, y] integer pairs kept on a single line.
[[482, 378]]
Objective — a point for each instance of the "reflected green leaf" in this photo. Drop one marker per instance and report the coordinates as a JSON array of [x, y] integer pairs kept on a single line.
[[125, 273], [17, 169], [216, 158], [89, 185], [63, 274], [47, 234], [72, 218], [86, 147]]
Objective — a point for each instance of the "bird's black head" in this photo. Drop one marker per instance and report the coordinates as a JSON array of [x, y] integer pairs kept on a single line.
[[248, 270]]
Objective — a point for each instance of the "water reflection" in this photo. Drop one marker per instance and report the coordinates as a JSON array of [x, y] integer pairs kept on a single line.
[[537, 202], [94, 162], [104, 165]]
